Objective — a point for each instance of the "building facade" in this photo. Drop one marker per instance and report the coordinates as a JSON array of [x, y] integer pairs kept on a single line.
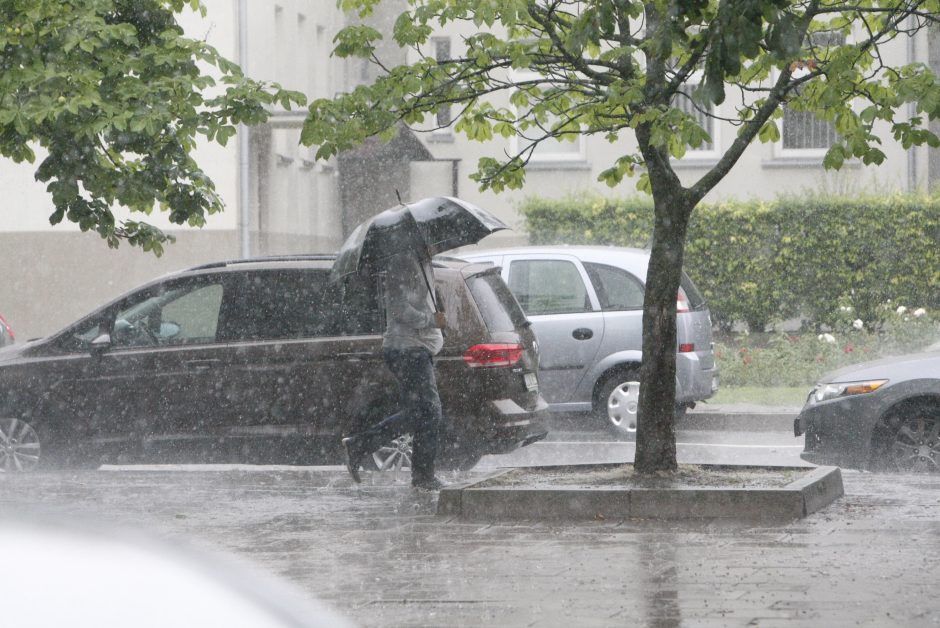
[[280, 200]]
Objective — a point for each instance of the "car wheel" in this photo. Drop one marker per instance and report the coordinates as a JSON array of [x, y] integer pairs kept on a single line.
[[394, 456], [915, 447], [19, 446], [618, 401]]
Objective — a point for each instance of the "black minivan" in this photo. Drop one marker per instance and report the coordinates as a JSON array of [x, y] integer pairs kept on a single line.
[[263, 361]]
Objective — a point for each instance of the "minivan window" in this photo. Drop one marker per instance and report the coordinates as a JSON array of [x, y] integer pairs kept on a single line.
[[548, 287], [181, 313], [273, 305], [616, 288], [277, 304], [497, 305], [351, 307]]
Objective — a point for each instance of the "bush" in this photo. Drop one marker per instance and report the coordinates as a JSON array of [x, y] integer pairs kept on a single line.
[[801, 359], [761, 262]]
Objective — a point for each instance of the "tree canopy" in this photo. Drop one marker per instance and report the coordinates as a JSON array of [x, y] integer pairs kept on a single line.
[[558, 69], [115, 98]]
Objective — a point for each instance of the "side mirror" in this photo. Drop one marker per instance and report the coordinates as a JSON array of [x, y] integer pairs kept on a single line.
[[100, 344]]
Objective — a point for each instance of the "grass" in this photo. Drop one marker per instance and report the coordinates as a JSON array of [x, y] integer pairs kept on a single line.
[[758, 395]]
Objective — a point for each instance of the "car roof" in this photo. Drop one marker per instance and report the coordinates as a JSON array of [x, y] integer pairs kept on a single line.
[[632, 258], [582, 251], [308, 260], [304, 260]]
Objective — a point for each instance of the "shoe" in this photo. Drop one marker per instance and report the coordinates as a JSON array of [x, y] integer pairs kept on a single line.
[[427, 484], [353, 458]]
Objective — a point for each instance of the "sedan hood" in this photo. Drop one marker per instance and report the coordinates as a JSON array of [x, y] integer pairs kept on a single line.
[[902, 367]]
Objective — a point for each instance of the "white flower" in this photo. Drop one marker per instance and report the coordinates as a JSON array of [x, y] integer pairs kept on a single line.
[[845, 308], [827, 338], [858, 324], [901, 310], [919, 312]]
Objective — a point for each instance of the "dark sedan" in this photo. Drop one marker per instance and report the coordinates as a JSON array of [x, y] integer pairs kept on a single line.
[[882, 415]]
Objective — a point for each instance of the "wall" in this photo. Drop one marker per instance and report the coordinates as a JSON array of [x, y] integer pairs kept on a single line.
[[49, 279]]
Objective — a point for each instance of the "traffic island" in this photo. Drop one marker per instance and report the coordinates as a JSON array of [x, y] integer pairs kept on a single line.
[[613, 492]]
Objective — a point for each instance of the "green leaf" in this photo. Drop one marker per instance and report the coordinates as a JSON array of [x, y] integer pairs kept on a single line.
[[769, 133]]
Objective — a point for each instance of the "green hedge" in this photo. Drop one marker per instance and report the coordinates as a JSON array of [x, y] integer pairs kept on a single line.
[[760, 262]]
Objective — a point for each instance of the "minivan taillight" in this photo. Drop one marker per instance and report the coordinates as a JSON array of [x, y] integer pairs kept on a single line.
[[682, 302], [493, 355]]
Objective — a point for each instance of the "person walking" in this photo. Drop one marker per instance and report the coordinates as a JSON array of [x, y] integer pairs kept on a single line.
[[412, 337]]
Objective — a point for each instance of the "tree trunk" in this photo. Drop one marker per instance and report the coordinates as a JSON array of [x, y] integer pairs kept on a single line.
[[656, 429]]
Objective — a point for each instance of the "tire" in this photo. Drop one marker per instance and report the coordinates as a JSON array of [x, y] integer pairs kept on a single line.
[[618, 401], [913, 444], [20, 447]]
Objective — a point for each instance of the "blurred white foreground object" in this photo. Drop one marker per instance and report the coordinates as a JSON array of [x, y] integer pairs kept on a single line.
[[80, 577]]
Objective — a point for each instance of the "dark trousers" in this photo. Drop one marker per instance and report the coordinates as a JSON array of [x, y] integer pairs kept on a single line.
[[420, 414]]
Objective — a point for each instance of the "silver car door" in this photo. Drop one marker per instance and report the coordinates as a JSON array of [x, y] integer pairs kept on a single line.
[[557, 297]]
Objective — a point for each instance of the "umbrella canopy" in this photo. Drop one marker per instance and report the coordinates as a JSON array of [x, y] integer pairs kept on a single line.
[[448, 223], [426, 227]]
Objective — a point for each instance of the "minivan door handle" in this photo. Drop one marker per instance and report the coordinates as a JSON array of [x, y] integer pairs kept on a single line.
[[583, 333]]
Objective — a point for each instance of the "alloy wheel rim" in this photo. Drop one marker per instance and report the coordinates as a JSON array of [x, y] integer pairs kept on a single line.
[[916, 446], [394, 456], [19, 446], [622, 406]]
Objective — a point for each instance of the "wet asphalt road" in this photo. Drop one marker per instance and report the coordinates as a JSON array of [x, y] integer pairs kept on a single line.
[[379, 555]]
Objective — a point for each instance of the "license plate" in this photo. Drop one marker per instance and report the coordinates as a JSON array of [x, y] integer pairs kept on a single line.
[[531, 382]]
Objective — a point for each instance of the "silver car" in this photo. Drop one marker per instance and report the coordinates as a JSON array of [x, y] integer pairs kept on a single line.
[[882, 415], [586, 308]]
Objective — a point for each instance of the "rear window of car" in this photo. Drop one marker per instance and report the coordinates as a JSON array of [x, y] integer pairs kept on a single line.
[[696, 300], [615, 288], [497, 305]]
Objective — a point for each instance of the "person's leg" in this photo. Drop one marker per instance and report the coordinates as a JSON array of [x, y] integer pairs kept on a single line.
[[425, 404], [410, 368], [400, 363]]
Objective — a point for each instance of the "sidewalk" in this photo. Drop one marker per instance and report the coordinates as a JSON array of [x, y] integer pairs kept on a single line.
[[378, 554]]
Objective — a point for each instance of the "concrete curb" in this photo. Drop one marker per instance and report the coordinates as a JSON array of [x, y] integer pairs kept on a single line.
[[818, 488], [738, 421]]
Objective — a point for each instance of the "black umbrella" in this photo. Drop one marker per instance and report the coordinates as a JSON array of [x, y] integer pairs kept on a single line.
[[448, 223], [426, 227]]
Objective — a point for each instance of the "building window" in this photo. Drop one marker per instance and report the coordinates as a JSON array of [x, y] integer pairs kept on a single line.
[[442, 54], [703, 114], [550, 152], [802, 133]]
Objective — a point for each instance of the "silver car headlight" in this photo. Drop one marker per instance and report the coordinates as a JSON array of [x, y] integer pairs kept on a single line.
[[824, 392]]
